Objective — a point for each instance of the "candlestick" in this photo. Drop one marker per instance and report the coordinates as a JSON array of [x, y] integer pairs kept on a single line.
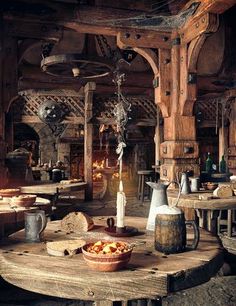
[[120, 206]]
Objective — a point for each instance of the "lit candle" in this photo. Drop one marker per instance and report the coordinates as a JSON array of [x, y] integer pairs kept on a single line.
[[120, 206]]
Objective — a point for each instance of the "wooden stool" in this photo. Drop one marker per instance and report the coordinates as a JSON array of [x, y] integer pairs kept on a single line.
[[144, 176]]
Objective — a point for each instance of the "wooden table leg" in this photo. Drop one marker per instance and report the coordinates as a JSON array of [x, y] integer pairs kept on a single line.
[[142, 188], [212, 216], [200, 217], [229, 223]]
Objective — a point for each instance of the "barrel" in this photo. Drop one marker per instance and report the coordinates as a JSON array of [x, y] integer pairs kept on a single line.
[[170, 233]]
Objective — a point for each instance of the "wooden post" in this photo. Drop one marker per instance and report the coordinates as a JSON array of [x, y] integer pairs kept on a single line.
[[232, 140], [88, 139]]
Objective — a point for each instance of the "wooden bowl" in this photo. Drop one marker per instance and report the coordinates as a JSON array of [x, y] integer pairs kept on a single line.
[[9, 192], [24, 200], [106, 262]]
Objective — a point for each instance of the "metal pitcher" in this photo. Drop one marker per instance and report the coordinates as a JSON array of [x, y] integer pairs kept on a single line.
[[159, 197], [35, 223], [185, 184]]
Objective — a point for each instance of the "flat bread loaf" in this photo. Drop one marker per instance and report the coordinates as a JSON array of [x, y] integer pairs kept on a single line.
[[64, 247], [77, 222], [223, 191]]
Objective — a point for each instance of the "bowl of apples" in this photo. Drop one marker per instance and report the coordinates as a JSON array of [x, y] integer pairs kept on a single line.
[[107, 256]]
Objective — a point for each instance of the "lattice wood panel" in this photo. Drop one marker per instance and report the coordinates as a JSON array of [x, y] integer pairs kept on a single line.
[[29, 102], [141, 107], [211, 110]]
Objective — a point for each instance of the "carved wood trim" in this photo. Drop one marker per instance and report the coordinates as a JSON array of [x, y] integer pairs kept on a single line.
[[212, 6], [207, 23], [150, 56], [194, 50], [25, 46]]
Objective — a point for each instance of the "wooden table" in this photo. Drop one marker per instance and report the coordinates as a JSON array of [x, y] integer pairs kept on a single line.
[[207, 210], [12, 217], [53, 190], [149, 274]]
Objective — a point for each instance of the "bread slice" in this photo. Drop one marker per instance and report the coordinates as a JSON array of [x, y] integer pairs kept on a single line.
[[77, 222], [64, 247]]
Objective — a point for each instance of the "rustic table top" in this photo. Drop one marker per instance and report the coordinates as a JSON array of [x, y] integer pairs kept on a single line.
[[52, 188], [191, 200], [149, 274], [6, 207]]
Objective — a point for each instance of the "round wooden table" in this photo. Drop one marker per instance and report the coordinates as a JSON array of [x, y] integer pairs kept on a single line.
[[149, 274], [12, 217], [207, 209]]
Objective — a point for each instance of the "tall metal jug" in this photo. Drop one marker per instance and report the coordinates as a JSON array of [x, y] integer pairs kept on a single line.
[[159, 197], [185, 183]]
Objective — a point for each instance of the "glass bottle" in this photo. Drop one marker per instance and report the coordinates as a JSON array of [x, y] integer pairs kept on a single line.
[[209, 163], [222, 165]]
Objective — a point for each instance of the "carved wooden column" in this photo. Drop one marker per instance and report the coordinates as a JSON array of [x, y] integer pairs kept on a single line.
[[180, 149], [88, 139]]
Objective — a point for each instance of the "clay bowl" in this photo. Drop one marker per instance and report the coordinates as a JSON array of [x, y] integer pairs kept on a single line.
[[212, 186], [9, 192], [24, 200], [106, 262]]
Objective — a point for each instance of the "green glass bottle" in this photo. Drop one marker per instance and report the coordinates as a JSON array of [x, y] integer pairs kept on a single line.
[[223, 165], [209, 163]]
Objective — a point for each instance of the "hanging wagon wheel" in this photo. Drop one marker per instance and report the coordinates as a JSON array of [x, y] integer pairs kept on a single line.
[[76, 65]]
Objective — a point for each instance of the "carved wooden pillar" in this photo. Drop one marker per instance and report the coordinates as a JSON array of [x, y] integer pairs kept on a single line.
[[179, 149], [88, 139], [232, 139]]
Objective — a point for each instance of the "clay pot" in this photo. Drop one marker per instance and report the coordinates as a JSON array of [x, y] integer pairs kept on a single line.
[[106, 262]]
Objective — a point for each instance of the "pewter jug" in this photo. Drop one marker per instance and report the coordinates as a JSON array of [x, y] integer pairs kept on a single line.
[[185, 184], [159, 197], [35, 223]]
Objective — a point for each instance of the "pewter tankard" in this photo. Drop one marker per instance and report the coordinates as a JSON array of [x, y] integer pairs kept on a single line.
[[35, 223]]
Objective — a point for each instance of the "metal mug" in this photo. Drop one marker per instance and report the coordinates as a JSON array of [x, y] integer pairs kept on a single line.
[[35, 223], [195, 184]]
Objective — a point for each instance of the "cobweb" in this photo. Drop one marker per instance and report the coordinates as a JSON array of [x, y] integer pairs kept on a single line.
[[159, 17]]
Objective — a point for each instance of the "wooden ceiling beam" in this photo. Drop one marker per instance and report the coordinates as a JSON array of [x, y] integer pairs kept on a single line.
[[32, 29], [25, 84], [35, 119], [143, 39]]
